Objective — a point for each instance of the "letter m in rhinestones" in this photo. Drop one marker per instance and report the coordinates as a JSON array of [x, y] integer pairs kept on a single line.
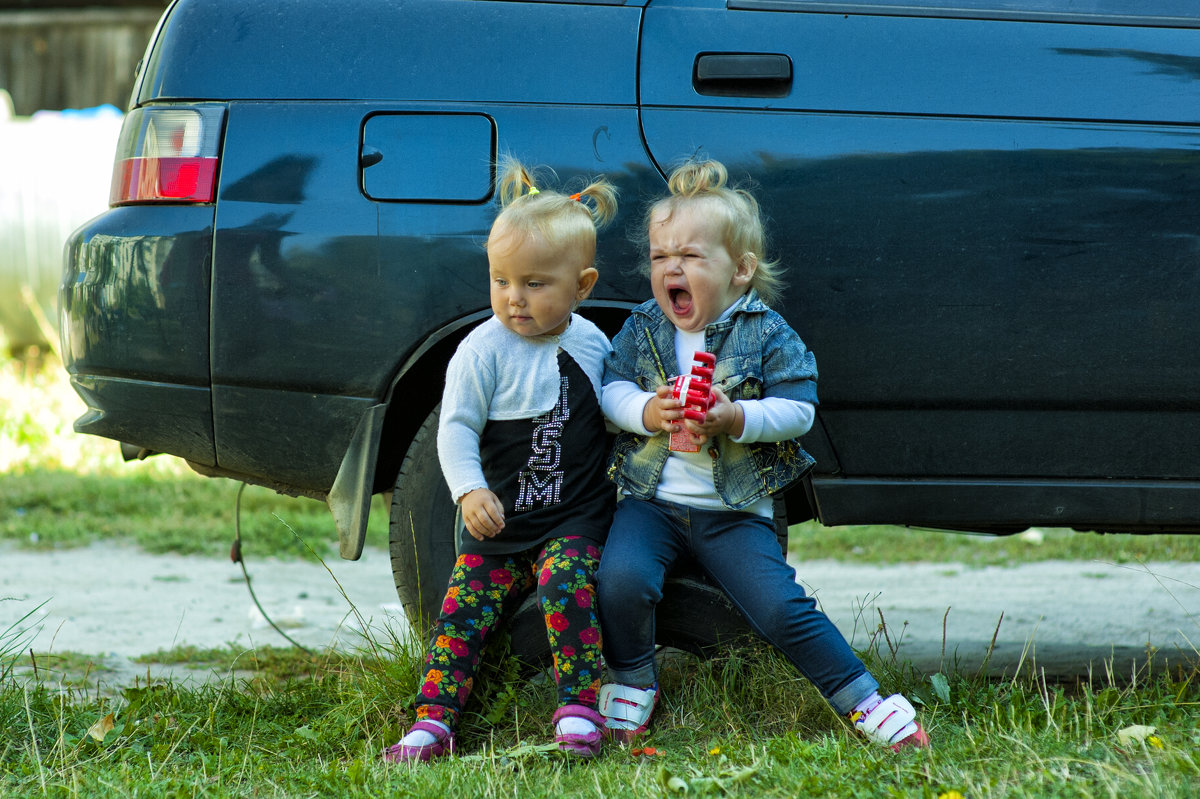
[[539, 487]]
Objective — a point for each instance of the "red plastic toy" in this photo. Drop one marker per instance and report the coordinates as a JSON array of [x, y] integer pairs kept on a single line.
[[695, 390]]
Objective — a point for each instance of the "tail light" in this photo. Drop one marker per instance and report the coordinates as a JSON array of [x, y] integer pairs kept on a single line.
[[168, 154]]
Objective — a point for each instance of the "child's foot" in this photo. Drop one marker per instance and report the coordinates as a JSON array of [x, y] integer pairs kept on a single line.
[[424, 741], [578, 730], [891, 722], [627, 709]]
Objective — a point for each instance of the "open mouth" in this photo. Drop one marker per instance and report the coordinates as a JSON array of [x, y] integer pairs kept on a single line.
[[681, 301]]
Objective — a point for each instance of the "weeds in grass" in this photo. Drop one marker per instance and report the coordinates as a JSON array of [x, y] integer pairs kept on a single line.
[[15, 638], [889, 545], [742, 723]]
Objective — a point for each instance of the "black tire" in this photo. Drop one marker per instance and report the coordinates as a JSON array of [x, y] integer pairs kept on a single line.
[[422, 533], [421, 529], [694, 615]]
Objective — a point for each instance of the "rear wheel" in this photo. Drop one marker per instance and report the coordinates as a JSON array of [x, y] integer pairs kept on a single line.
[[694, 615], [421, 529], [423, 532]]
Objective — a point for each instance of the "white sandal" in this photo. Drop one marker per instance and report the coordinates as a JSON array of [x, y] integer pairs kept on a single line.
[[893, 723], [627, 709]]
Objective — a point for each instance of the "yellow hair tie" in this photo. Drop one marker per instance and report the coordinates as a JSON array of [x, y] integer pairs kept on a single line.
[[533, 190]]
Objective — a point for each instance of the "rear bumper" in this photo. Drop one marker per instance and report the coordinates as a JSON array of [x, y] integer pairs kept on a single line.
[[159, 417], [134, 324]]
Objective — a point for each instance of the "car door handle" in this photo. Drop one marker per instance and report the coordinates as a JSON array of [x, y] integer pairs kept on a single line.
[[742, 74]]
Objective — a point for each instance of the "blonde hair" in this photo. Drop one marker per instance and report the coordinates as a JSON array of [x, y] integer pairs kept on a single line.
[[703, 183], [560, 219]]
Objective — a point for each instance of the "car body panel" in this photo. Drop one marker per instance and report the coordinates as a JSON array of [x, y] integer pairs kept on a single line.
[[989, 220], [930, 66], [477, 50], [995, 267], [134, 311]]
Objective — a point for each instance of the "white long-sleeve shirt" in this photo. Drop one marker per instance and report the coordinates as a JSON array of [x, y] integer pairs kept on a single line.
[[498, 374]]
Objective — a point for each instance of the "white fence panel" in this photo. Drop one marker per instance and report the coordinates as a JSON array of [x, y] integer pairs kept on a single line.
[[55, 173]]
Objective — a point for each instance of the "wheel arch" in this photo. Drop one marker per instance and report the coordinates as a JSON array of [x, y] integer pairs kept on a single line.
[[416, 388]]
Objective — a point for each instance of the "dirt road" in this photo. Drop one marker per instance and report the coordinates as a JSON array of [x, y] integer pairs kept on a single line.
[[120, 603]]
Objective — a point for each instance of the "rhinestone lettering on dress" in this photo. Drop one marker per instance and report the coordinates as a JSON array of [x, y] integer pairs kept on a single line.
[[540, 482]]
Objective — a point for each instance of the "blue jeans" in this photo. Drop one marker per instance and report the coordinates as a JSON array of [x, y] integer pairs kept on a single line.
[[741, 553]]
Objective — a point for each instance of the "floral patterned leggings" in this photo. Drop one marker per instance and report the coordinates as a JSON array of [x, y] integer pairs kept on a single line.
[[485, 589]]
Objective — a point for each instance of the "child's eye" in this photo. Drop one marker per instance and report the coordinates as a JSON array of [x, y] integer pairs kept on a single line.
[[533, 284], [500, 281]]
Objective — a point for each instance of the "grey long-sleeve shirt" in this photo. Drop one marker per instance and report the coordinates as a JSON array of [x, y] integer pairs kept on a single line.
[[501, 375]]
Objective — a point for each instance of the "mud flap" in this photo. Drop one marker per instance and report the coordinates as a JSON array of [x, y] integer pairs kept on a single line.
[[350, 498]]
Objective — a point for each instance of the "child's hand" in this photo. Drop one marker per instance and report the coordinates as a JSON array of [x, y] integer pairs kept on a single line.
[[723, 417], [663, 412], [483, 514]]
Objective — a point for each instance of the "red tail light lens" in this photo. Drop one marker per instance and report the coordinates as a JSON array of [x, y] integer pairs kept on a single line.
[[168, 154]]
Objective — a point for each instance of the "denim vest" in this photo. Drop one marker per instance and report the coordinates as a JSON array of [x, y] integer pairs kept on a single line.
[[758, 355]]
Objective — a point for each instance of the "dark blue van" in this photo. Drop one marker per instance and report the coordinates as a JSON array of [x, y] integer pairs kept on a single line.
[[989, 210]]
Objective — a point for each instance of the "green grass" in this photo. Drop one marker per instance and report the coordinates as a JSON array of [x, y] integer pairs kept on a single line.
[[883, 544], [283, 723], [741, 724], [183, 513]]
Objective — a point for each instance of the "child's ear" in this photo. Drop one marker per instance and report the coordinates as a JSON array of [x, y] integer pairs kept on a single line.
[[743, 272], [587, 281]]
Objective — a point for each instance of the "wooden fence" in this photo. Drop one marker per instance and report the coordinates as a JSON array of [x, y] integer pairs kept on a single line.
[[76, 58], [55, 169]]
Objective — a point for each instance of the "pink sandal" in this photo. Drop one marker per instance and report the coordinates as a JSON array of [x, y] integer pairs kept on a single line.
[[442, 744], [586, 745]]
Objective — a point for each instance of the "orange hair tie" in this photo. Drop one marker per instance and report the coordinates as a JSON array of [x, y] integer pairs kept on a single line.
[[578, 197]]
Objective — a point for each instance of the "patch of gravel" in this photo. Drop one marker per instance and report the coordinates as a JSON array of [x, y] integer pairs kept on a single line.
[[118, 603], [1061, 617]]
